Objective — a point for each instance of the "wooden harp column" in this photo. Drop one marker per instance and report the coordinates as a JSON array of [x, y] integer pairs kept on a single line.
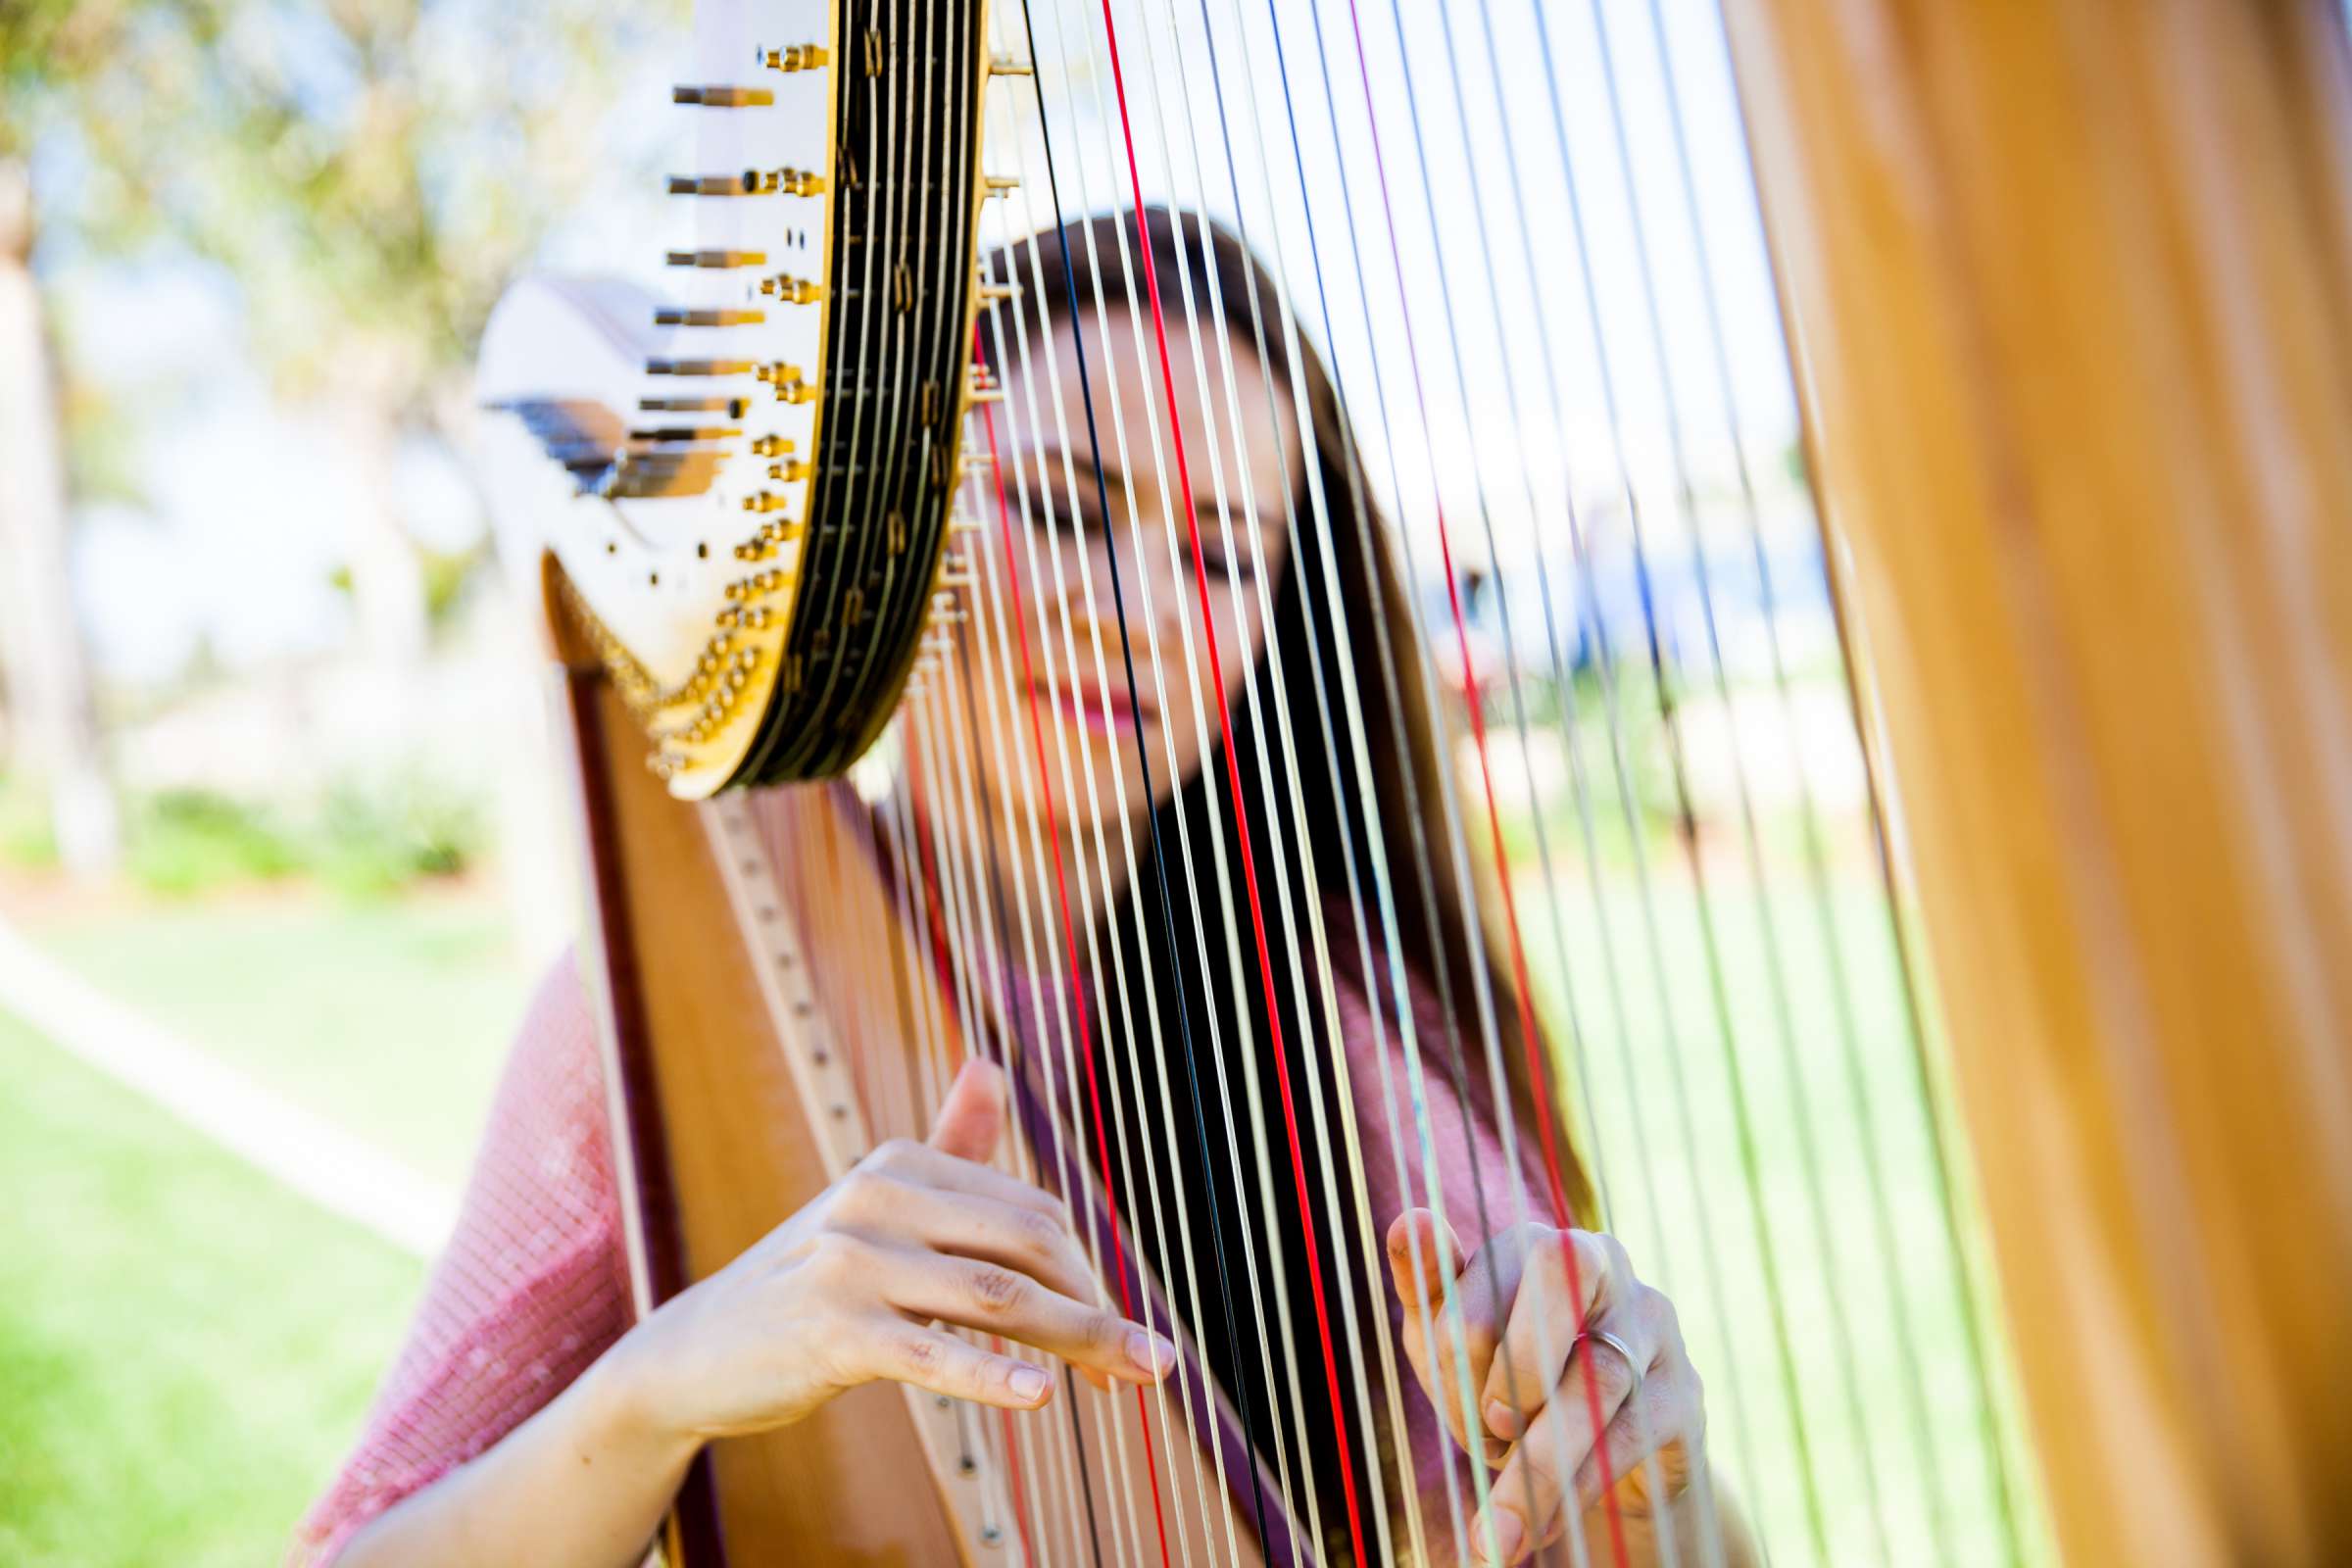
[[2069, 286]]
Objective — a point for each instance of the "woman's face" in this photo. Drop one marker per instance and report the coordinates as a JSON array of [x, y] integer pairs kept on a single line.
[[1063, 531]]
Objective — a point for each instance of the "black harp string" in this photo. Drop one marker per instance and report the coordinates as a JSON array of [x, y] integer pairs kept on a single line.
[[1180, 1460], [1220, 1051], [1774, 967], [1833, 941], [1712, 1544], [1427, 878], [1400, 1445], [1605, 667], [1266, 744], [1118, 1478], [989, 614], [1117, 982], [1376, 839], [1583, 792], [1453, 337], [1136, 1052], [1579, 779], [1244, 1400]]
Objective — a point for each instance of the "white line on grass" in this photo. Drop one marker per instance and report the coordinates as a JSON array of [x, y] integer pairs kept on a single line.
[[301, 1149]]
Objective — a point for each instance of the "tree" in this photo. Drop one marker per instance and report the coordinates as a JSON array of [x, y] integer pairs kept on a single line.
[[371, 173], [40, 643]]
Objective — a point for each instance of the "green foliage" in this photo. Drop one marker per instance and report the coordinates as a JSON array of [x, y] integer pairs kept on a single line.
[[375, 837], [28, 840], [192, 840], [366, 839]]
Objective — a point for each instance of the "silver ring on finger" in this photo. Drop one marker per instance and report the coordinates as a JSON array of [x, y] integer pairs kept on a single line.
[[1633, 1364]]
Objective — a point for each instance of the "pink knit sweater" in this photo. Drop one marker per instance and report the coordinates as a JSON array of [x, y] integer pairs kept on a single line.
[[533, 1285]]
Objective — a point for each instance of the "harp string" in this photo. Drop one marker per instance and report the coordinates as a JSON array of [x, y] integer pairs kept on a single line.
[[1078, 1000], [1334, 608], [1241, 833], [1582, 792], [1540, 1078], [1785, 1028], [1277, 1264], [1060, 1016], [1117, 983], [1452, 336], [1172, 1454], [1253, 1273], [1832, 939], [1085, 922], [1436, 721], [1278, 686], [989, 615], [1605, 667]]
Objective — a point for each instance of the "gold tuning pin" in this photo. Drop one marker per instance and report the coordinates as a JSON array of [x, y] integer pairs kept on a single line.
[[675, 316], [701, 367], [770, 446], [750, 183], [1009, 65], [981, 388], [998, 184], [723, 97], [792, 290], [716, 259], [786, 379], [764, 500], [790, 471], [796, 57], [999, 291], [783, 182]]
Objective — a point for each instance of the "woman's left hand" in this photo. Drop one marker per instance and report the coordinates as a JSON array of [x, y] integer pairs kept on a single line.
[[1509, 1316]]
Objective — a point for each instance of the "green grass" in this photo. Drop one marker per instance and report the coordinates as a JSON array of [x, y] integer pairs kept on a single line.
[[1681, 1112], [185, 1348], [391, 1020]]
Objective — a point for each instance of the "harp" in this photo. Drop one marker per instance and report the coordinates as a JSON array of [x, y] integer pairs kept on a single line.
[[2067, 298]]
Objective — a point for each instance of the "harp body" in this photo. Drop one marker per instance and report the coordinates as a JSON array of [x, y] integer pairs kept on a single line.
[[2068, 292]]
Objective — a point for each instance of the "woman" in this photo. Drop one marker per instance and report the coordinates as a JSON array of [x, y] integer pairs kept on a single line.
[[528, 1420]]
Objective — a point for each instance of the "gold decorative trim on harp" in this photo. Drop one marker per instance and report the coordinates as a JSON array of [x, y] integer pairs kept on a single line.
[[2067, 289]]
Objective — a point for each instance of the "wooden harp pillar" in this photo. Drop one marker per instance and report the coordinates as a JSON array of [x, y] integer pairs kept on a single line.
[[2069, 287]]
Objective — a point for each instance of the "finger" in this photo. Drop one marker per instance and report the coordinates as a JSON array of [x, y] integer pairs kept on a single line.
[[907, 1160], [1644, 1455], [971, 1118], [1006, 1301], [1526, 1502], [1423, 1257], [931, 1358], [1484, 1293], [1571, 1278], [990, 1230]]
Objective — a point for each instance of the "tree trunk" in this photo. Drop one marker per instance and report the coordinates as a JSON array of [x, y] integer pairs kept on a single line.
[[54, 727]]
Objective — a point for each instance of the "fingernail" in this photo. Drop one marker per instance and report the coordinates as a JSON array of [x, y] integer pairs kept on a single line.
[[1509, 1534], [1149, 1351], [1504, 1421], [1027, 1382]]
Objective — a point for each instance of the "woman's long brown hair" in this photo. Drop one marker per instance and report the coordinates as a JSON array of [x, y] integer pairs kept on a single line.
[[1441, 945]]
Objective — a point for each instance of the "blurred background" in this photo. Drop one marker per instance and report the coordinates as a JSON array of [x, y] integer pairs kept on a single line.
[[281, 850]]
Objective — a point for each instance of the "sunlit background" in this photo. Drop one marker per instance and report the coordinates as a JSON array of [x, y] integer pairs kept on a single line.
[[280, 844]]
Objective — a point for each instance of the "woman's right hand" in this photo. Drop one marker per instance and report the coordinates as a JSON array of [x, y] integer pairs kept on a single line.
[[852, 1289]]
